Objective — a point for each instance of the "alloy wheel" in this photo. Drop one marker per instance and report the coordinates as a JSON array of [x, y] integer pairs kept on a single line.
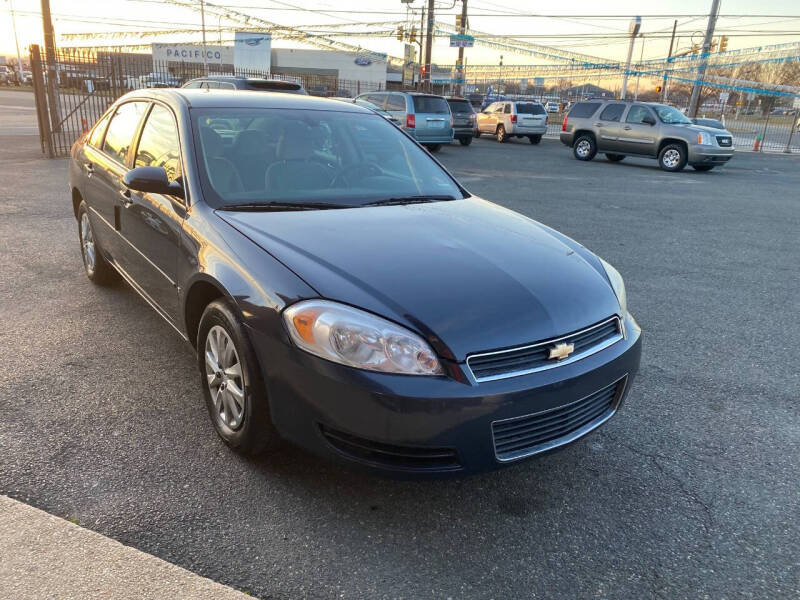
[[87, 243], [583, 148], [224, 375], [671, 158]]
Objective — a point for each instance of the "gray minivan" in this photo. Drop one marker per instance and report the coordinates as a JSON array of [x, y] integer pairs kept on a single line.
[[426, 117]]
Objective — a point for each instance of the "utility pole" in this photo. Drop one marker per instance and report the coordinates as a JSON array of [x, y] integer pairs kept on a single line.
[[669, 55], [50, 59], [460, 64], [421, 41], [701, 70], [633, 29], [639, 70], [16, 40], [203, 25], [428, 46]]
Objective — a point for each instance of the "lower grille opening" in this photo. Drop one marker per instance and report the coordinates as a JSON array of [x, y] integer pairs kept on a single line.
[[390, 456], [531, 434]]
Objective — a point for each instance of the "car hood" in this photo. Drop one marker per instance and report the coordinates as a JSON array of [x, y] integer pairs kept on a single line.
[[466, 274]]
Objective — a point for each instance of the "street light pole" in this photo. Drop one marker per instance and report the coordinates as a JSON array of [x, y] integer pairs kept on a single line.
[[694, 102], [671, 46], [635, 25]]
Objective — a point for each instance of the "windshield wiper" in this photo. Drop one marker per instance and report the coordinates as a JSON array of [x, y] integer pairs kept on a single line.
[[409, 200], [270, 206]]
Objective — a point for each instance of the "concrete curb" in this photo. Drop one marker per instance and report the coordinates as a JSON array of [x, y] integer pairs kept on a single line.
[[42, 556]]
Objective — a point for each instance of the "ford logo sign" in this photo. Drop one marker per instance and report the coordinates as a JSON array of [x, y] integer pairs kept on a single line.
[[362, 61], [253, 41]]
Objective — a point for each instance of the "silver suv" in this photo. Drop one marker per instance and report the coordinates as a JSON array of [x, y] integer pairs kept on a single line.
[[507, 118], [619, 128]]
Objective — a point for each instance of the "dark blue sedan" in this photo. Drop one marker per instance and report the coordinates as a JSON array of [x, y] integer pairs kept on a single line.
[[343, 291]]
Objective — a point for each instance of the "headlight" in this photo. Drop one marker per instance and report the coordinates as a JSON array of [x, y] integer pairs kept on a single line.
[[618, 285], [704, 138], [356, 338]]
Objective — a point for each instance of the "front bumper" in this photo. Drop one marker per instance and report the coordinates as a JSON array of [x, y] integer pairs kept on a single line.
[[424, 425], [708, 155]]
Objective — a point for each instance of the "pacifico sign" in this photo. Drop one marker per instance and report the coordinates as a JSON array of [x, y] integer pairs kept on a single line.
[[192, 53]]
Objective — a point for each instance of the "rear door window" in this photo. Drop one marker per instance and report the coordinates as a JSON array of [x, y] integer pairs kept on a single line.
[[583, 110], [530, 108], [612, 112], [122, 129], [431, 104]]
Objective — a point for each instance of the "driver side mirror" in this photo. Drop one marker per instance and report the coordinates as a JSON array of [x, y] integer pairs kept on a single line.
[[153, 180], [649, 120]]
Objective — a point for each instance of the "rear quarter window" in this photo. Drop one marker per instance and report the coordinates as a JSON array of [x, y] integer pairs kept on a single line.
[[431, 104], [584, 110]]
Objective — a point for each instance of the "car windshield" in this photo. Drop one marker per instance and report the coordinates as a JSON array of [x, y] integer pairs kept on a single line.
[[431, 104], [313, 157], [529, 108], [460, 106], [671, 115]]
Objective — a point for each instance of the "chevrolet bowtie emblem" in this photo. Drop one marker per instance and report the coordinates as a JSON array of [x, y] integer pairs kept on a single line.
[[561, 351]]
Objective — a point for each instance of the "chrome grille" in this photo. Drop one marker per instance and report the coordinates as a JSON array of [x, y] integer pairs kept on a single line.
[[523, 436], [724, 141], [488, 366]]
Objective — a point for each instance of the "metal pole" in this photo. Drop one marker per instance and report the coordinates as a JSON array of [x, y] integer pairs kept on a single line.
[[634, 30], [50, 60], [694, 102], [16, 40], [671, 46], [203, 25], [639, 71], [462, 31], [421, 48], [428, 47], [788, 148]]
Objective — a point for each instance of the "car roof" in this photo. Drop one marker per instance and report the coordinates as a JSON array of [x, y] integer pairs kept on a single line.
[[197, 98]]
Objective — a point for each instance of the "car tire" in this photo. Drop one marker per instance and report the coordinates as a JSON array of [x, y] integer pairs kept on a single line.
[[672, 158], [615, 157], [584, 147], [535, 139], [434, 147], [477, 134], [97, 268], [703, 167], [465, 141], [501, 134], [227, 362]]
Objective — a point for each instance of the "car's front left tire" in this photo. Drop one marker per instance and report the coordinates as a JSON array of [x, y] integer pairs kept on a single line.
[[94, 263], [672, 157], [232, 382]]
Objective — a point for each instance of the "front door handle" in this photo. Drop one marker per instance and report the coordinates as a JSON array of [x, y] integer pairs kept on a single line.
[[627, 127], [598, 124], [89, 168], [126, 197]]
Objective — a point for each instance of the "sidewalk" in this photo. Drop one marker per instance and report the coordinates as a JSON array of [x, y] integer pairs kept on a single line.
[[43, 557]]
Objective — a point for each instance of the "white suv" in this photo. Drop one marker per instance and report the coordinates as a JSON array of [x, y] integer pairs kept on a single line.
[[518, 119]]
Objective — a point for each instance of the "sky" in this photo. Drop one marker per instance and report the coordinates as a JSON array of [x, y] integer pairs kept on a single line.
[[575, 22]]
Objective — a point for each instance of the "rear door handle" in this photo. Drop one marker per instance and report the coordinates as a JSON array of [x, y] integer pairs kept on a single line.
[[126, 197]]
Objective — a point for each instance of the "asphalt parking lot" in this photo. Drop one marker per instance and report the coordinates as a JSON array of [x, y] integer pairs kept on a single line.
[[691, 491]]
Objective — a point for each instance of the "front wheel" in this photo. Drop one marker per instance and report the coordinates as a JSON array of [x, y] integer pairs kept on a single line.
[[233, 387], [465, 141], [535, 139], [672, 157], [615, 157], [702, 167], [501, 134], [96, 266], [584, 147]]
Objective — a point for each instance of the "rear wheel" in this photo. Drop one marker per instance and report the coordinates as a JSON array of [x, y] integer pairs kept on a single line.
[[535, 139], [584, 147], [465, 141], [702, 167], [434, 147], [615, 157], [672, 157], [477, 134], [501, 134], [97, 268], [233, 387]]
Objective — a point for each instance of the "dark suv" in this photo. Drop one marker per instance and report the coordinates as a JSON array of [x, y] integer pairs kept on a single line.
[[619, 128], [238, 82], [464, 127]]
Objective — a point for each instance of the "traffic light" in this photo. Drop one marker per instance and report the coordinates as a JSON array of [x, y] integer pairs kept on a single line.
[[723, 43], [658, 89], [413, 35], [400, 33], [423, 70]]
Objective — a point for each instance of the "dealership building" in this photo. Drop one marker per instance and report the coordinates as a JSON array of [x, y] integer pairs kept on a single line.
[[253, 53]]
